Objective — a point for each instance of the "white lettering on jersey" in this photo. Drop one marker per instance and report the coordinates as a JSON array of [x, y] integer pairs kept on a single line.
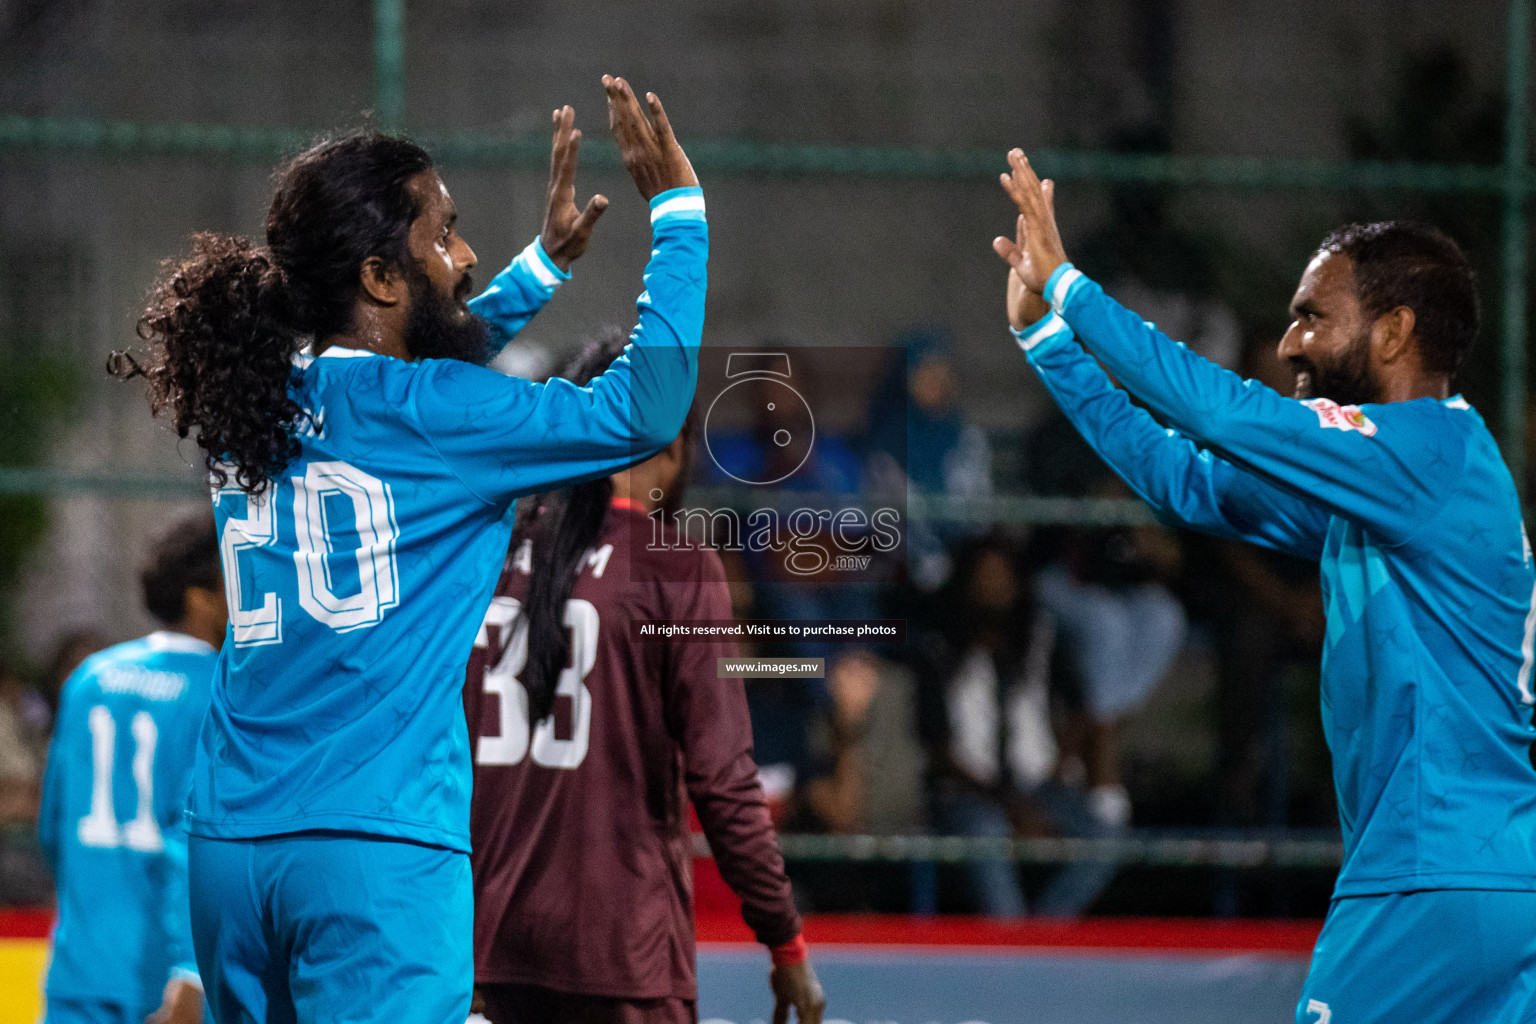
[[264, 623], [373, 513], [144, 682], [1317, 1006], [598, 560], [1341, 417], [312, 423], [522, 561]]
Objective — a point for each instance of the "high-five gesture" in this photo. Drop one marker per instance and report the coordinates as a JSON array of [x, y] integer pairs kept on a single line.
[[566, 229], [650, 152], [1037, 251], [1024, 306]]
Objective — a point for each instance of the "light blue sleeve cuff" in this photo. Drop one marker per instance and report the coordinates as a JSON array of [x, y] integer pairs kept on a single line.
[[187, 975], [534, 262], [676, 204], [1047, 328], [1060, 285]]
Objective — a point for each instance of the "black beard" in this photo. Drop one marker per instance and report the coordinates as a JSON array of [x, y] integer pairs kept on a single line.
[[440, 327], [1347, 380]]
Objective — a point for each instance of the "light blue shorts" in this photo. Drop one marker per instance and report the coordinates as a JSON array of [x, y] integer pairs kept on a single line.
[[332, 927], [1438, 956]]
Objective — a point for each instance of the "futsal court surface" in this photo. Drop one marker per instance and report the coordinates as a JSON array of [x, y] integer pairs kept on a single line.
[[943, 970]]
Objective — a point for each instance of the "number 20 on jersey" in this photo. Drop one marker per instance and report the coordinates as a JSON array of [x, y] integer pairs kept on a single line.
[[378, 575]]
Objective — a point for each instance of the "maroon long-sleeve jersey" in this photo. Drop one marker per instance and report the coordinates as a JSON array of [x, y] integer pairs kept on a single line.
[[582, 858]]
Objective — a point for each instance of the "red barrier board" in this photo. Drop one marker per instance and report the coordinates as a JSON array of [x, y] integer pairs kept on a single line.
[[1152, 935], [1162, 936], [25, 922]]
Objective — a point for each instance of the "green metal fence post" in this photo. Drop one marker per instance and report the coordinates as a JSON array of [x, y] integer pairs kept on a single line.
[[1517, 88], [389, 63]]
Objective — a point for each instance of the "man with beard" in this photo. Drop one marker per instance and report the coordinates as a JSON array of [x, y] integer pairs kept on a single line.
[[364, 489], [1396, 487]]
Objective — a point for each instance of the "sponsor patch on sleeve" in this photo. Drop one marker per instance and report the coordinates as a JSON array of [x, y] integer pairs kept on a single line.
[[1341, 417]]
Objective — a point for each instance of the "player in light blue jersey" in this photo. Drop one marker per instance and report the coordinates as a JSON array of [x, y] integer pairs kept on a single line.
[[113, 795], [1395, 485], [365, 471]]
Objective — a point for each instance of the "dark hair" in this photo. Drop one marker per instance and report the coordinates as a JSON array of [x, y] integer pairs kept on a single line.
[[1401, 263], [185, 555], [224, 323], [562, 526]]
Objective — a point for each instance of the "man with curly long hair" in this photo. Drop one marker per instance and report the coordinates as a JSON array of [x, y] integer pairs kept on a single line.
[[364, 470]]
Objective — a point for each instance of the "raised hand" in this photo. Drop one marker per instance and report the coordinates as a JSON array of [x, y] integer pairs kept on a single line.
[[1037, 251], [567, 230], [1024, 306], [650, 152]]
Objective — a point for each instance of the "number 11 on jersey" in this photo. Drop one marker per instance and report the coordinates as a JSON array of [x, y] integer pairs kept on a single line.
[[100, 828]]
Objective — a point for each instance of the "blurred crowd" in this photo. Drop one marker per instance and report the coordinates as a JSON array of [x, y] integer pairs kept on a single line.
[[1027, 651], [28, 703]]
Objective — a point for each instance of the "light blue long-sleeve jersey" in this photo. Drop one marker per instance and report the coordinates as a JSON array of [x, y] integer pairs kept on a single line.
[[357, 582], [111, 819], [1427, 578]]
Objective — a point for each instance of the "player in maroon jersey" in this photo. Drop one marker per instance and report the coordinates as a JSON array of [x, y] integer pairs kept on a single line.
[[583, 859]]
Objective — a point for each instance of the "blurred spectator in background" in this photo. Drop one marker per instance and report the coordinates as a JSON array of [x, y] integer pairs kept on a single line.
[[983, 711], [785, 711], [919, 442], [835, 794], [1264, 612], [26, 719], [24, 876], [1119, 629], [1118, 624], [23, 720]]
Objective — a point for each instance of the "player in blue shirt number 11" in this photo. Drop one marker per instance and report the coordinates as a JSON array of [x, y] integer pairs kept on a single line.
[[113, 795]]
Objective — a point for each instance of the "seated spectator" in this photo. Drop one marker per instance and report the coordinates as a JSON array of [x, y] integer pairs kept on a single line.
[[983, 712], [25, 720], [836, 795], [20, 767], [756, 452], [1119, 629], [1264, 613]]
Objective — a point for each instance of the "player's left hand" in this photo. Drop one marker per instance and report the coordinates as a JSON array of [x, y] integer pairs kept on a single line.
[[567, 230], [1037, 251], [182, 1004], [796, 985], [1024, 306]]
